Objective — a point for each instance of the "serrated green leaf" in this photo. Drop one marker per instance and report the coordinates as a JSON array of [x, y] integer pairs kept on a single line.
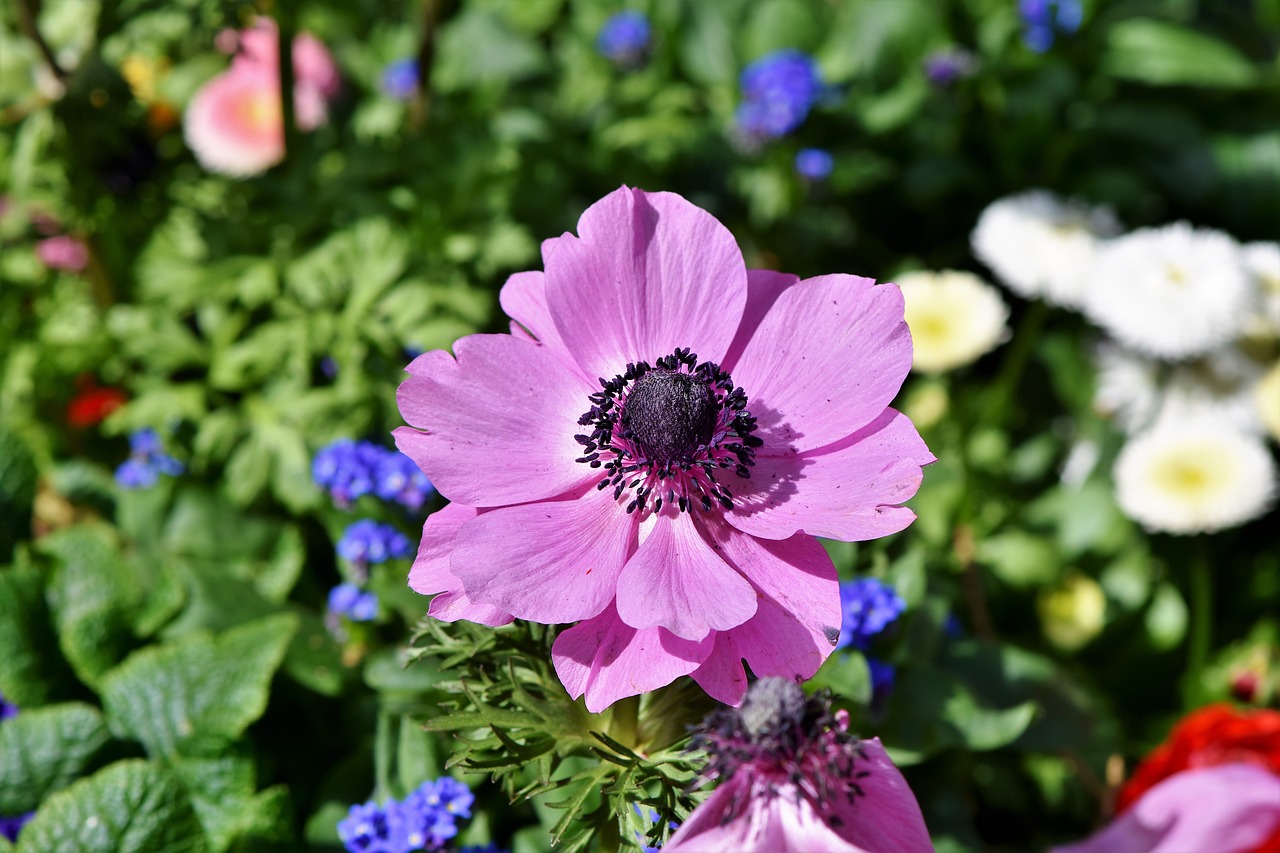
[[1166, 54], [94, 597], [132, 806], [44, 750], [29, 663], [222, 793], [197, 694]]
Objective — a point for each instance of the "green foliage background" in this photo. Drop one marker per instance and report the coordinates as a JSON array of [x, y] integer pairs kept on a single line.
[[167, 645]]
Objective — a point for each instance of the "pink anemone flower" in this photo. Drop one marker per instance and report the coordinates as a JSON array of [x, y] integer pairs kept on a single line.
[[792, 780], [1226, 808], [235, 122], [653, 449], [313, 65]]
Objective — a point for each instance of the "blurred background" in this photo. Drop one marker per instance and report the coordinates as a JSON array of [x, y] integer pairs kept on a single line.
[[226, 227]]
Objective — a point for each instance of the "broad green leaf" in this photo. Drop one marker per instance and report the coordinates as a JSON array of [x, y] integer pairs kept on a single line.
[[195, 695], [1166, 54], [132, 806], [477, 47], [30, 666], [1020, 559], [17, 491], [222, 792], [94, 597], [45, 749], [1166, 618]]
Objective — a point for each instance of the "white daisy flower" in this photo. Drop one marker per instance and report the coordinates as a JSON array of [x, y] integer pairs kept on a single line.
[[1194, 477], [1171, 292], [1266, 399], [1040, 245], [954, 318], [1127, 387], [1262, 260], [1218, 385]]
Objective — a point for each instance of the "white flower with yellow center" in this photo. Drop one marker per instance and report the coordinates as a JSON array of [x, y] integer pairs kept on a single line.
[[1194, 477], [1040, 245], [1218, 385], [1172, 292], [1127, 387], [1262, 260], [954, 318], [1266, 397]]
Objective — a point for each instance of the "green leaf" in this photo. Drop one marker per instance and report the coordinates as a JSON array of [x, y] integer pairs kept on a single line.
[[195, 695], [94, 597], [477, 47], [132, 806], [1165, 54], [30, 665], [44, 750], [222, 792], [1020, 559], [17, 491]]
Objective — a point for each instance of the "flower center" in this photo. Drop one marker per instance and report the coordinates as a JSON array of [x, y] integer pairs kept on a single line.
[[667, 431]]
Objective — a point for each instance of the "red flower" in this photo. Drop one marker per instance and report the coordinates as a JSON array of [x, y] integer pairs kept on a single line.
[[91, 406]]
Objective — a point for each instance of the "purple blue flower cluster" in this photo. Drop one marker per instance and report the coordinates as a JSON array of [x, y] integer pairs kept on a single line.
[[778, 90], [367, 542], [400, 78], [814, 164], [1041, 19], [147, 461], [624, 39], [349, 469], [424, 820], [943, 67], [869, 607], [11, 826], [347, 599]]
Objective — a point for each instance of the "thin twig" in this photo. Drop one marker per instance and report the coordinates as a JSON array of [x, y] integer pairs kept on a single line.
[[27, 23]]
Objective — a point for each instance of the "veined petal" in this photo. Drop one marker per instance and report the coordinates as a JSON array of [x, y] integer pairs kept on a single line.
[[550, 562], [647, 273], [1227, 808], [676, 581], [826, 360], [431, 575], [524, 298], [850, 490], [796, 624], [607, 660], [496, 426], [779, 822], [885, 817], [763, 289]]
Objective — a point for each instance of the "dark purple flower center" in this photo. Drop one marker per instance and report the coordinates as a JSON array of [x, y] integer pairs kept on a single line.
[[669, 431]]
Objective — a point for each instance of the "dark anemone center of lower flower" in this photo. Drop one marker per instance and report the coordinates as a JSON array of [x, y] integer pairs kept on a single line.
[[669, 415]]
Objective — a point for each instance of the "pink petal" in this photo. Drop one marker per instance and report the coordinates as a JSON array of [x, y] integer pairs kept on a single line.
[[608, 660], [779, 823], [886, 818], [850, 490], [497, 424], [431, 575], [1226, 808], [550, 562], [828, 358], [763, 289], [647, 273], [797, 621], [233, 124], [524, 298], [676, 581]]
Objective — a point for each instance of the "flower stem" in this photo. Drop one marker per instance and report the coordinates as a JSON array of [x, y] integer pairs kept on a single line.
[[1015, 362], [285, 27], [1200, 635], [383, 747]]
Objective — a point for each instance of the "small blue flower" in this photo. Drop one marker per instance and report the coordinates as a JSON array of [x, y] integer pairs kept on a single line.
[[370, 828], [398, 478], [869, 606], [882, 678], [366, 542], [814, 164], [1041, 19], [778, 90], [400, 78], [484, 848], [433, 809], [8, 710], [147, 461], [347, 599], [350, 469], [624, 39], [943, 67], [10, 827]]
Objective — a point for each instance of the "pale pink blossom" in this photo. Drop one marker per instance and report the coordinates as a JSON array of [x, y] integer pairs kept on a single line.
[[313, 65], [653, 449], [1226, 808], [63, 253]]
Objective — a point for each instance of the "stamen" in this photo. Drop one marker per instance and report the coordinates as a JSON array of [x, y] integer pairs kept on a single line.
[[672, 424]]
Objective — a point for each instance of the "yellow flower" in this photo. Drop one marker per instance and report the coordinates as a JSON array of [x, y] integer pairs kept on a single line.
[[954, 318]]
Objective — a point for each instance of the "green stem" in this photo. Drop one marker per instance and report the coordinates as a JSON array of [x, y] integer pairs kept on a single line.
[[286, 26], [420, 107], [383, 747], [1201, 631], [1015, 361]]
